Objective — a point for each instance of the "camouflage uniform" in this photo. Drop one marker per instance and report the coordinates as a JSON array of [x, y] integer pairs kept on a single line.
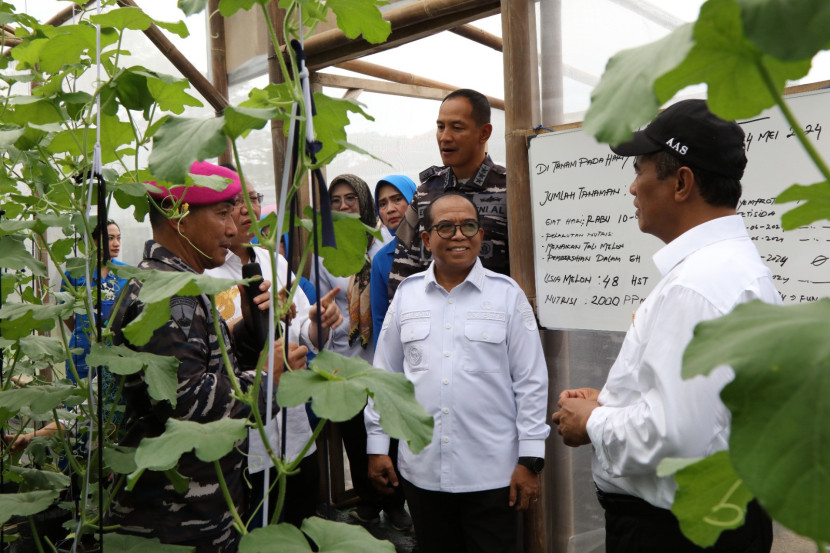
[[200, 516], [488, 191]]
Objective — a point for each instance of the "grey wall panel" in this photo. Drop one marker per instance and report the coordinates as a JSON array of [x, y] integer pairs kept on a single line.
[[575, 520]]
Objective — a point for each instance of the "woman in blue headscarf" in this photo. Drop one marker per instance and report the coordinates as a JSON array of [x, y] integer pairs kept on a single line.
[[392, 197]]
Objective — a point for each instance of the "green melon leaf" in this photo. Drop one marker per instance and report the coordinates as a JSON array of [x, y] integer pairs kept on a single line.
[[780, 429], [338, 387], [211, 441], [710, 498]]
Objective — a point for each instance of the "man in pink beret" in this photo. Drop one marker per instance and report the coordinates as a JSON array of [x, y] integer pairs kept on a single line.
[[192, 231]]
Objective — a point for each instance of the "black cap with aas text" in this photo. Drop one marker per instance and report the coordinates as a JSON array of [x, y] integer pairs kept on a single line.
[[694, 135]]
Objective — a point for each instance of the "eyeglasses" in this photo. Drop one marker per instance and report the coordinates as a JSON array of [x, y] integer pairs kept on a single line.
[[348, 199], [254, 197], [446, 230]]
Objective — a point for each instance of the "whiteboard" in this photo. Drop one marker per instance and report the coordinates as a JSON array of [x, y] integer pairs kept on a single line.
[[593, 265]]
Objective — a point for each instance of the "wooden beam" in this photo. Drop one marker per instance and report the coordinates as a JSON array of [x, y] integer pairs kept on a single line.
[[279, 146], [380, 87], [67, 13], [56, 21], [519, 69], [518, 116], [216, 99], [481, 36], [394, 75], [218, 65], [409, 23]]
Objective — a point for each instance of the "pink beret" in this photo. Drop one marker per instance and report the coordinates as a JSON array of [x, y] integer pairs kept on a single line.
[[202, 195]]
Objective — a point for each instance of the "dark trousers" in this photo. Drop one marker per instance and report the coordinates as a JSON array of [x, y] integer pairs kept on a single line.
[[300, 494], [353, 432], [635, 526], [472, 522]]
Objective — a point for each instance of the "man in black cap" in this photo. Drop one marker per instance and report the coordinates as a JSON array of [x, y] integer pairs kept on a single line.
[[688, 167]]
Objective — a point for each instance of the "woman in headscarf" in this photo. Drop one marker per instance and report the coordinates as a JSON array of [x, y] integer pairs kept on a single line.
[[353, 338], [351, 194]]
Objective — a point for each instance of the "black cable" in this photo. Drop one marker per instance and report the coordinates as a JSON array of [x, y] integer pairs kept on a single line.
[[2, 431], [102, 257]]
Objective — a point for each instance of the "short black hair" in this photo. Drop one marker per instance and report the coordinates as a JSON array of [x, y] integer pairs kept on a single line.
[[427, 221], [717, 190], [157, 215], [479, 102]]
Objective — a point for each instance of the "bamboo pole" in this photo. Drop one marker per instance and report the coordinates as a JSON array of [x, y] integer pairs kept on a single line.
[[56, 21], [380, 87], [394, 75], [67, 13], [409, 22], [481, 36], [218, 62], [518, 117], [515, 17], [217, 100], [279, 148], [188, 70]]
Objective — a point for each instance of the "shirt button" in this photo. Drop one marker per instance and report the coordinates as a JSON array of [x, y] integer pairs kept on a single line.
[[446, 439], [484, 335], [446, 354], [451, 300], [448, 326], [445, 381], [446, 410]]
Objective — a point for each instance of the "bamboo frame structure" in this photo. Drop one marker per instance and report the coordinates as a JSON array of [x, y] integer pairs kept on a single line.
[[218, 65], [402, 77], [409, 22]]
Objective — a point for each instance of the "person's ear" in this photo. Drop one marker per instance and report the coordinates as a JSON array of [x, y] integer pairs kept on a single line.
[[685, 185], [425, 235], [484, 132]]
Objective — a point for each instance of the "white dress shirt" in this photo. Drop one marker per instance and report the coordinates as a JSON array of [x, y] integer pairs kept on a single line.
[[648, 412], [475, 358], [340, 334], [298, 429]]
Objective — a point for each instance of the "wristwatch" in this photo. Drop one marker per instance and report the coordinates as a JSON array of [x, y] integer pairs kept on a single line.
[[534, 464]]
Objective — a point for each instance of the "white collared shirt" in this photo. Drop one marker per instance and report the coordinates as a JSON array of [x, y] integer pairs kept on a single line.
[[340, 334], [475, 358], [298, 429], [648, 412]]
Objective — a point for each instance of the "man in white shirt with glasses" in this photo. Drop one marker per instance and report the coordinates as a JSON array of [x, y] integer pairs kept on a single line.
[[467, 339]]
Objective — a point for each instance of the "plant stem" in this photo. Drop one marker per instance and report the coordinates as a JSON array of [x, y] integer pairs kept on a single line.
[[253, 404], [238, 522], [319, 429], [790, 117], [35, 535], [283, 476], [286, 75]]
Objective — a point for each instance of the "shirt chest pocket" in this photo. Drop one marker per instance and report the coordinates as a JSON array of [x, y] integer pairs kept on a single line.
[[485, 343], [414, 335]]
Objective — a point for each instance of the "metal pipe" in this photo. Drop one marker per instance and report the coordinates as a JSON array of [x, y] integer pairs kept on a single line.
[[553, 108]]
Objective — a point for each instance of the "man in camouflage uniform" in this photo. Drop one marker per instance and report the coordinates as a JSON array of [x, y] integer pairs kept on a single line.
[[463, 129], [193, 242]]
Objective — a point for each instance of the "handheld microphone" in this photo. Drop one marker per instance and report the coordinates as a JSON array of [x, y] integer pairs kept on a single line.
[[259, 319]]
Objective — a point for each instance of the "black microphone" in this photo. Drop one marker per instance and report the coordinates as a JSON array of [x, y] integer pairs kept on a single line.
[[259, 319]]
